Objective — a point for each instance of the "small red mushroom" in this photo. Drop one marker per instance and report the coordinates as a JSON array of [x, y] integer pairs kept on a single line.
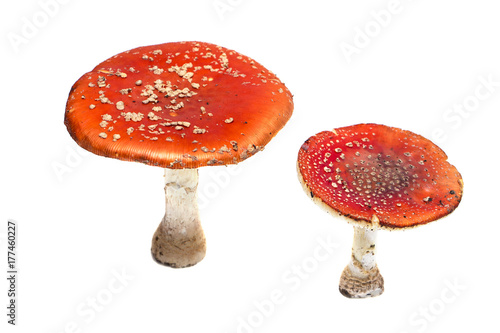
[[179, 106], [377, 177]]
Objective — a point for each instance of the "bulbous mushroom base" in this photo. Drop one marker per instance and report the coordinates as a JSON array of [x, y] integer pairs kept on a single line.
[[177, 250], [361, 278], [355, 282], [179, 240]]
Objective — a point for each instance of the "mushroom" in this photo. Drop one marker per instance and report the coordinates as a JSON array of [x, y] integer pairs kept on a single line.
[[377, 177], [179, 106]]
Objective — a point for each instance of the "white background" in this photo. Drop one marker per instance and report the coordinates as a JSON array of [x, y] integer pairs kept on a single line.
[[265, 269]]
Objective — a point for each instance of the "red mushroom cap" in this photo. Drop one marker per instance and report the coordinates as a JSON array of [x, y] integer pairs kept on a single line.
[[177, 105], [379, 176]]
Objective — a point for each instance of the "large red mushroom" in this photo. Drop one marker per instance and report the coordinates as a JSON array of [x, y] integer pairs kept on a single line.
[[377, 177], [179, 106]]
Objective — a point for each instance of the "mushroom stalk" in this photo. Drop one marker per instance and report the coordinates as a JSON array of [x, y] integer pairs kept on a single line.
[[361, 277], [179, 240]]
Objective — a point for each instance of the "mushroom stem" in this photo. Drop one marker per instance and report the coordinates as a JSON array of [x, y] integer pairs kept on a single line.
[[179, 240], [361, 277]]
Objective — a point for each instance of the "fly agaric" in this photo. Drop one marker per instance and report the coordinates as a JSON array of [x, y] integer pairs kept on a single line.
[[179, 106], [377, 177]]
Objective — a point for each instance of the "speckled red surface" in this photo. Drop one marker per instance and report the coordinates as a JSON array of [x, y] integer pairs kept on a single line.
[[367, 169], [177, 105]]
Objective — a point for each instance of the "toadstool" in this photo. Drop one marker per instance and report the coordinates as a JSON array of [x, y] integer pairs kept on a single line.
[[377, 177], [178, 106]]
